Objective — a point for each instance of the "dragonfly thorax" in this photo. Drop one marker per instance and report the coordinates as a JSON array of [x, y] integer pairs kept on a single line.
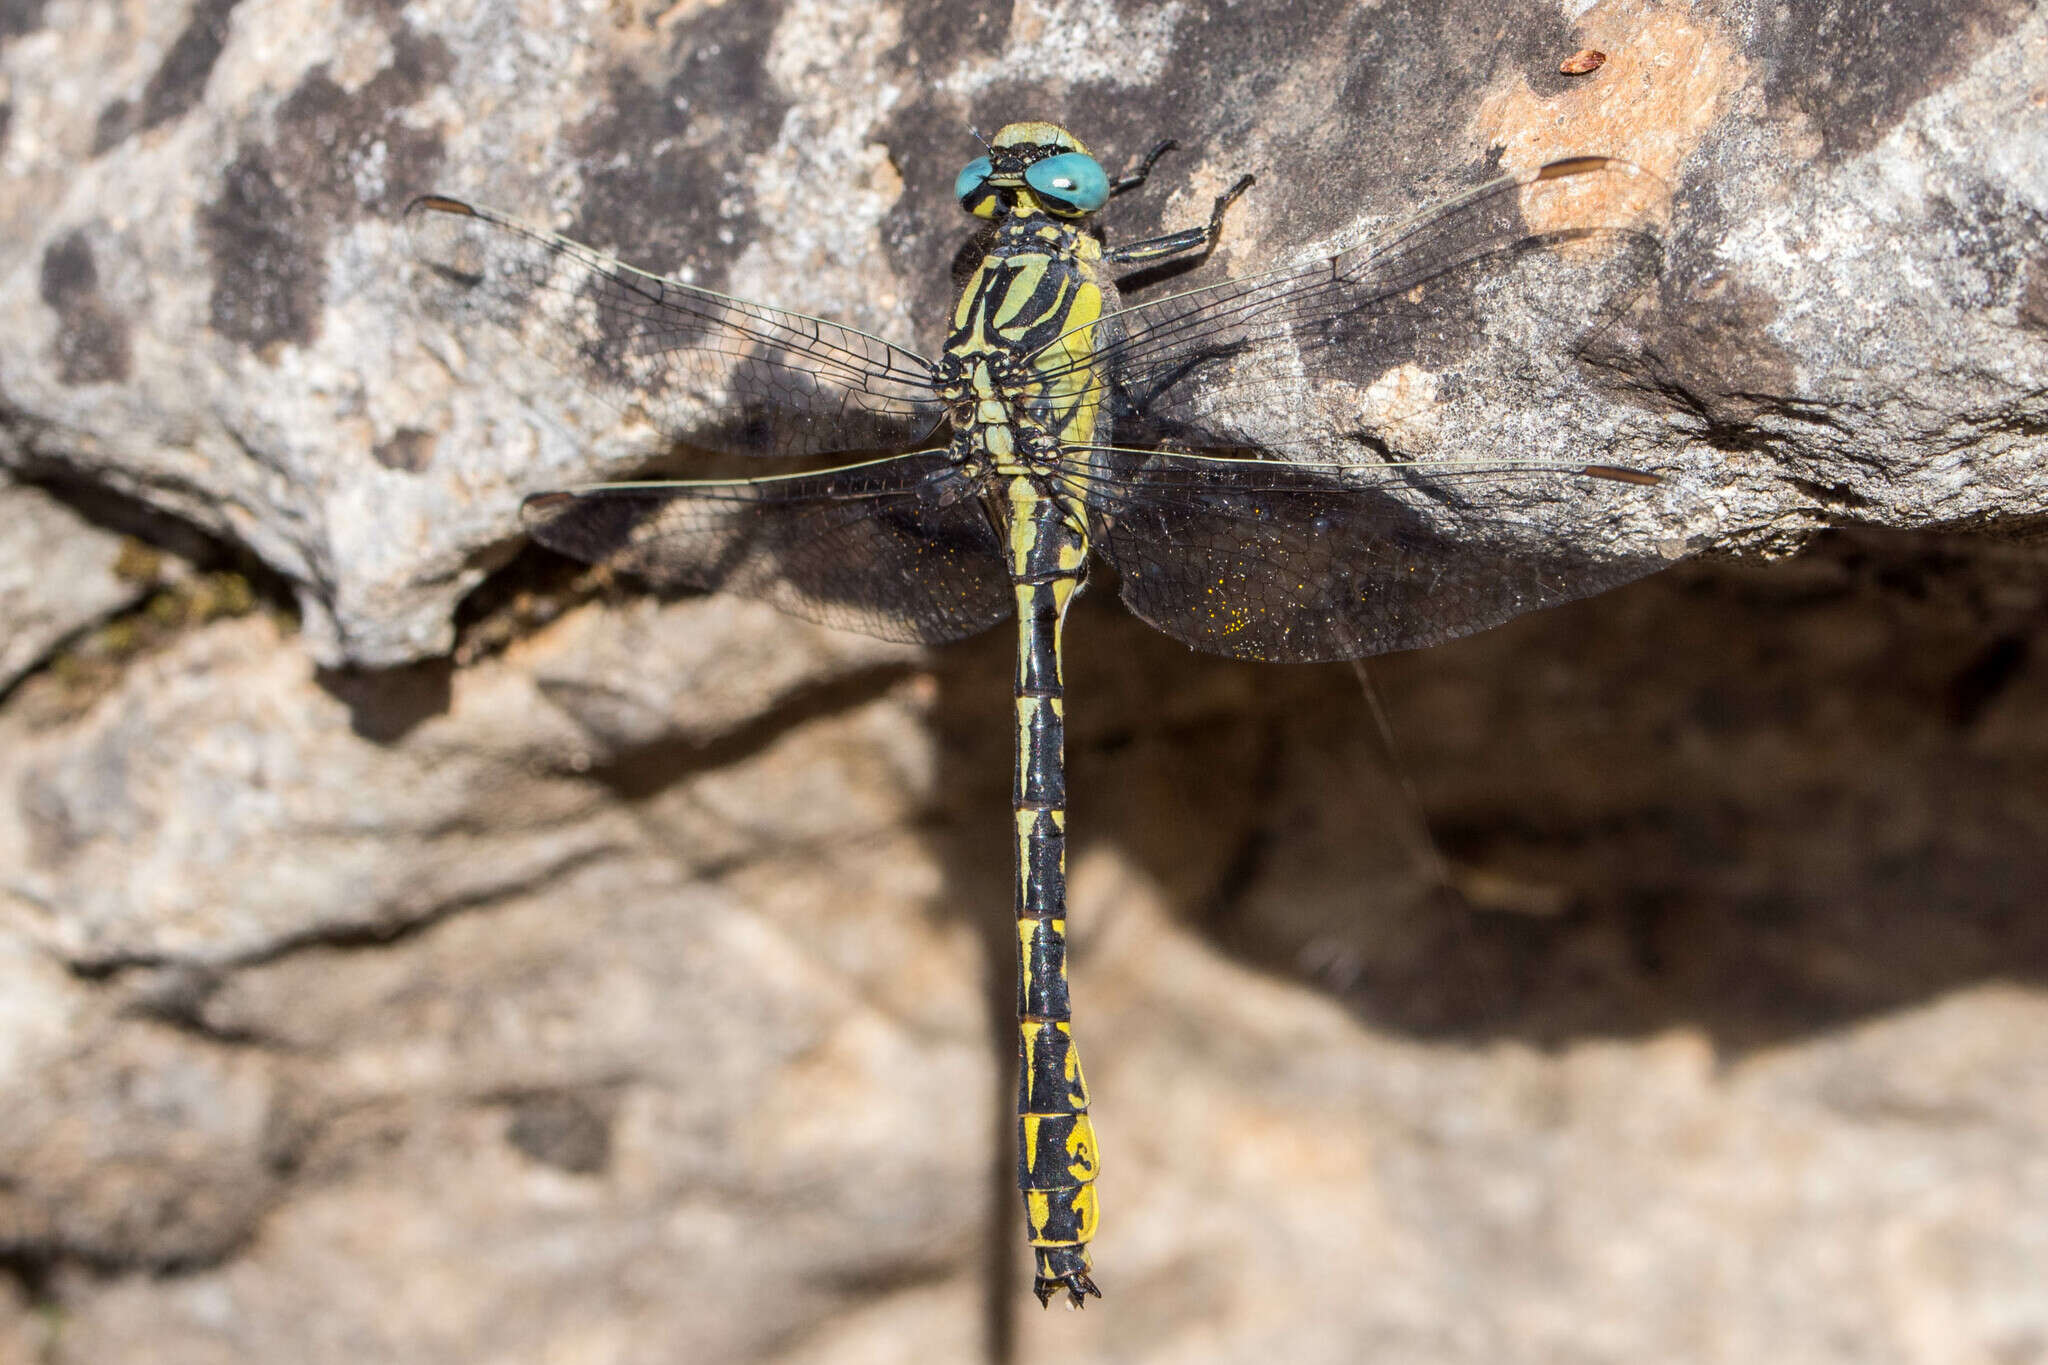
[[1019, 358]]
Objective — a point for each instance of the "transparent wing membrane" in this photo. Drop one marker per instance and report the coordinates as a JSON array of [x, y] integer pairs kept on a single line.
[[702, 367], [896, 548], [1285, 562], [1508, 279]]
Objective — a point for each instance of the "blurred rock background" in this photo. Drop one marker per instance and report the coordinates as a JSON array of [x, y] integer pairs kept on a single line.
[[415, 948]]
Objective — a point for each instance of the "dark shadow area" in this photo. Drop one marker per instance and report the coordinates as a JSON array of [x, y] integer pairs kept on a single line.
[[386, 704], [33, 1272], [1762, 803], [570, 1130], [646, 770], [531, 588]]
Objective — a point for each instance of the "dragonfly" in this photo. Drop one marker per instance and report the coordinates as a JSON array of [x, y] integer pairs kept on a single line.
[[1060, 428]]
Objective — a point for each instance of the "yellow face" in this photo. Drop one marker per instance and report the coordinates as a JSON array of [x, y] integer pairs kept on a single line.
[[1049, 135]]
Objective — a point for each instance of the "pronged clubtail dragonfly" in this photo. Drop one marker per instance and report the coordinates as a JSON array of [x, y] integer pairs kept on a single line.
[[987, 479]]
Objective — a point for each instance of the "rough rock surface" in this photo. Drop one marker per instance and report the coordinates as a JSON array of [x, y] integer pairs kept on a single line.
[[58, 575], [215, 306], [631, 983]]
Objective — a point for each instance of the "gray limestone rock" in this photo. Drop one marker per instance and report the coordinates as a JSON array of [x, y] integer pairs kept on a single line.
[[485, 963], [217, 313]]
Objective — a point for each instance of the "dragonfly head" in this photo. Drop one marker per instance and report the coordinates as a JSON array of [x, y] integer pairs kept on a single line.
[[1033, 168]]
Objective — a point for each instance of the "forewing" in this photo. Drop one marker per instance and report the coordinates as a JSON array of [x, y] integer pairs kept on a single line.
[[1506, 282], [1272, 560], [897, 548], [702, 367]]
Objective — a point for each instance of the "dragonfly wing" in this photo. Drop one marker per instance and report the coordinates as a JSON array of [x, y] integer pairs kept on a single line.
[[1507, 280], [702, 367], [898, 548], [1278, 561]]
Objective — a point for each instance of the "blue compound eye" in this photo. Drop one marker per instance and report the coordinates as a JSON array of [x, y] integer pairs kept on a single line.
[[971, 177], [1070, 180]]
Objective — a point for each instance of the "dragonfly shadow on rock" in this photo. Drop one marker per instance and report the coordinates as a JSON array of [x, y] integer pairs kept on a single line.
[[1707, 804], [386, 704]]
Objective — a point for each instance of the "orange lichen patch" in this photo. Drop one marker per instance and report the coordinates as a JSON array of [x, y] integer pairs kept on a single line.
[[1668, 75], [1584, 60]]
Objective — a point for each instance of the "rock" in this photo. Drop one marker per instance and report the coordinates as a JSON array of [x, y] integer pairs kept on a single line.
[[220, 805], [132, 1143], [296, 980], [220, 320], [250, 804], [490, 964], [58, 575]]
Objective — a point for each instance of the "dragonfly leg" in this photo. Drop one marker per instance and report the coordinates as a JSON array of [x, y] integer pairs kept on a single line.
[[1204, 239], [1135, 177]]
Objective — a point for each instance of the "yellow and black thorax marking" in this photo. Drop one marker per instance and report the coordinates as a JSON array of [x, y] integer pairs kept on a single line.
[[1019, 355]]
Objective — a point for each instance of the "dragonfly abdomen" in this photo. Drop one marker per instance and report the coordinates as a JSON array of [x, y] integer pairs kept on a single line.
[[1056, 1153]]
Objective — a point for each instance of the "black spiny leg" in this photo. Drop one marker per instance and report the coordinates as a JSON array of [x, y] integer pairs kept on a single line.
[[1155, 249], [1135, 177]]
